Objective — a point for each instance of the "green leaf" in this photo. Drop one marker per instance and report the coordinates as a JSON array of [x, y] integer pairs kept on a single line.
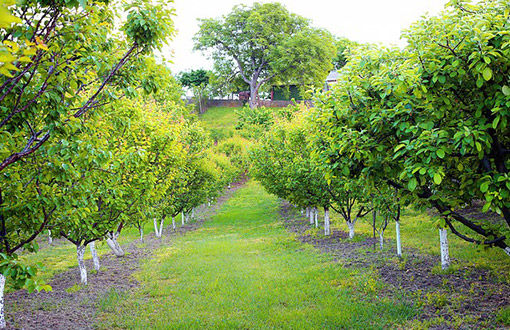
[[486, 207], [484, 187], [440, 153], [437, 178], [506, 90], [412, 184], [495, 122], [487, 73]]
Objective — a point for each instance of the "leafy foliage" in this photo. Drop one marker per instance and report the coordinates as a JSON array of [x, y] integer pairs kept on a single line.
[[266, 43]]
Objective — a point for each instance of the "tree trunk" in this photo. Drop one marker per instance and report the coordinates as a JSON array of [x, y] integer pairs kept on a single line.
[[193, 214], [399, 244], [200, 102], [3, 325], [50, 239], [173, 223], [182, 218], [80, 252], [445, 256], [307, 212], [507, 250], [111, 240], [326, 221], [254, 95], [315, 217], [156, 231], [374, 216], [141, 234], [161, 226], [311, 216], [381, 240], [351, 229], [95, 258]]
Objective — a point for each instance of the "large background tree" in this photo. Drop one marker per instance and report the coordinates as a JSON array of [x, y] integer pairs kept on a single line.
[[267, 43]]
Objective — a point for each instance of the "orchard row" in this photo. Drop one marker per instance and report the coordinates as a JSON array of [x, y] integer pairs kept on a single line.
[[425, 126]]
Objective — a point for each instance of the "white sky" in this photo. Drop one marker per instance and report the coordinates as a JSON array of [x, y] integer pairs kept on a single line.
[[375, 21]]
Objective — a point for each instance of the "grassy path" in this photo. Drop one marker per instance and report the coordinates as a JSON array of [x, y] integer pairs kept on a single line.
[[244, 270]]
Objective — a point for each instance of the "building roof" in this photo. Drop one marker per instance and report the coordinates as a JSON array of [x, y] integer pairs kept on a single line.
[[332, 76]]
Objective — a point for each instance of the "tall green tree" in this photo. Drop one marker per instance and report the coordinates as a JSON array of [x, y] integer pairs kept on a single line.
[[266, 43], [63, 61], [197, 81]]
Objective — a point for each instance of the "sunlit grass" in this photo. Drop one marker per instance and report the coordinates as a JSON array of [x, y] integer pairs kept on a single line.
[[220, 121], [244, 270]]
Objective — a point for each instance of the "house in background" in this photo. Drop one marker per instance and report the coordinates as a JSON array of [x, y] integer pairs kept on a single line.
[[285, 93], [331, 79], [289, 92]]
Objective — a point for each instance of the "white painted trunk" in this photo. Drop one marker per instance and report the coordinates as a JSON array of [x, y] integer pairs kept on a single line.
[[80, 252], [381, 240], [315, 217], [326, 221], [208, 203], [111, 241], [399, 244], [311, 216], [95, 258], [141, 234], [302, 211], [193, 214], [156, 231], [183, 218], [507, 250], [307, 212], [50, 239], [351, 229], [173, 223], [445, 256], [3, 325], [161, 227]]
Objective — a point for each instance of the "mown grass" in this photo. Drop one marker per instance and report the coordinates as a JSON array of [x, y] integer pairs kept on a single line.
[[244, 270], [220, 121]]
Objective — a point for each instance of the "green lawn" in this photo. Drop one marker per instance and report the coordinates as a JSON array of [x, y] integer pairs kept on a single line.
[[244, 270], [221, 121]]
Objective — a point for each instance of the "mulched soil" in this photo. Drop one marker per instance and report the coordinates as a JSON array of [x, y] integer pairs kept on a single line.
[[472, 294], [60, 309]]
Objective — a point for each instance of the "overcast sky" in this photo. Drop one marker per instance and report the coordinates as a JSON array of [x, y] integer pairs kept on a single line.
[[375, 21]]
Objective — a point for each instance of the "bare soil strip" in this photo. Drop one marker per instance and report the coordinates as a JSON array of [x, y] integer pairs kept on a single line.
[[473, 294]]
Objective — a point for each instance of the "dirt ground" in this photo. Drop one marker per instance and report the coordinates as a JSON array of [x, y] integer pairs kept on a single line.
[[471, 294], [62, 308]]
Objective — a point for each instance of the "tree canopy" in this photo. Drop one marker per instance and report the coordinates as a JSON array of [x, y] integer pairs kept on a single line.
[[266, 43]]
